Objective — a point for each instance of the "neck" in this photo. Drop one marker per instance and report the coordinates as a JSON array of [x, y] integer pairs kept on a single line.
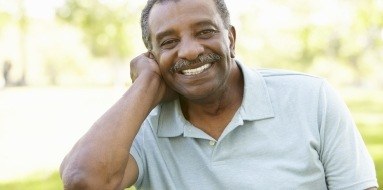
[[213, 114]]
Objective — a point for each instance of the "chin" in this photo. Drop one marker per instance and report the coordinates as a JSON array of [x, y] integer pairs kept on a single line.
[[201, 95]]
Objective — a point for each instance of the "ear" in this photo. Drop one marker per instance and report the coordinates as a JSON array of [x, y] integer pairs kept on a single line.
[[152, 55], [232, 37]]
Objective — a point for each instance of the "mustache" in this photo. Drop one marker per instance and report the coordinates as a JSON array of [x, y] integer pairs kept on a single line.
[[203, 58]]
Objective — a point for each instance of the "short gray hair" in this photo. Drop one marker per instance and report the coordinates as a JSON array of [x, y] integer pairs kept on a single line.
[[220, 5]]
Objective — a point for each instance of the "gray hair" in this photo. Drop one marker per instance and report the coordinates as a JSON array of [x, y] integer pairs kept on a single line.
[[220, 5]]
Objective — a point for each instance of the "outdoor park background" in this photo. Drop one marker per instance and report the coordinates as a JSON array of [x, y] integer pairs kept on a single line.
[[70, 62]]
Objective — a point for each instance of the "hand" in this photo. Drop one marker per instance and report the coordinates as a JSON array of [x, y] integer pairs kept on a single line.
[[145, 65]]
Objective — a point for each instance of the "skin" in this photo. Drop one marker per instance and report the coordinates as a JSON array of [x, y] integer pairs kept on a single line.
[[182, 30], [100, 159]]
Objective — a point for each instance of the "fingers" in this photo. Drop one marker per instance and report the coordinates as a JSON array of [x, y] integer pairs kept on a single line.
[[142, 62]]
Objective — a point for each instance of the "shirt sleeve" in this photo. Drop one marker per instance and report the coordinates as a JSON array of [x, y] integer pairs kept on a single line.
[[344, 156]]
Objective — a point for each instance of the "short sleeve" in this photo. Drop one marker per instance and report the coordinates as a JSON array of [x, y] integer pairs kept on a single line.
[[137, 151], [345, 158]]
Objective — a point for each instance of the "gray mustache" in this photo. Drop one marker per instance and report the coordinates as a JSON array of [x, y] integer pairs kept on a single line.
[[203, 58]]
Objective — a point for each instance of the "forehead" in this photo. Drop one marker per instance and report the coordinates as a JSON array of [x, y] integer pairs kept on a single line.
[[170, 14]]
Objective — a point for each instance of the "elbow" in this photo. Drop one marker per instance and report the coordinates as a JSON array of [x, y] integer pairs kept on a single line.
[[81, 176], [71, 178], [79, 180], [75, 180]]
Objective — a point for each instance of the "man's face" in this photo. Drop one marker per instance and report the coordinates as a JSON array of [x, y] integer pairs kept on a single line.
[[183, 31]]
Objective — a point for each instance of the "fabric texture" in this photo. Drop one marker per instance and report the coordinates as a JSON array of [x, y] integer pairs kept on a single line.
[[292, 131]]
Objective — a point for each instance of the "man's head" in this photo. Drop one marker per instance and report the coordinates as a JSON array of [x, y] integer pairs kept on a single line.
[[220, 5], [193, 46]]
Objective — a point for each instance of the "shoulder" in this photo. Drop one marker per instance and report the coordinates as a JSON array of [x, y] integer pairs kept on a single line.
[[286, 80], [279, 74]]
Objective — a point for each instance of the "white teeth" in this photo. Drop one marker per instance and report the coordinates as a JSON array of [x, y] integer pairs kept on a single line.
[[196, 70]]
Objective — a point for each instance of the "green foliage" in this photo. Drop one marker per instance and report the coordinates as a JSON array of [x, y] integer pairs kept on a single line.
[[4, 19], [106, 27], [51, 182], [299, 35], [367, 109]]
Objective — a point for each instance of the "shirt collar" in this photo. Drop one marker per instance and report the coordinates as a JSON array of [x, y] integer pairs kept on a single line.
[[256, 105], [171, 121]]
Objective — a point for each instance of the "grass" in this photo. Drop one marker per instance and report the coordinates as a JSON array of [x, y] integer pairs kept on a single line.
[[35, 182], [39, 182], [366, 107]]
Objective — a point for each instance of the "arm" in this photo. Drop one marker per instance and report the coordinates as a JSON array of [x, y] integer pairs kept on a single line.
[[345, 158], [101, 159]]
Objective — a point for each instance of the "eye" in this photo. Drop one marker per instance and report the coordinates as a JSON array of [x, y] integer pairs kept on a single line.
[[168, 44], [205, 34]]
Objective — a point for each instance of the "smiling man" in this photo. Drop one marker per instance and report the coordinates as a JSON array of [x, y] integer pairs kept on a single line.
[[195, 118]]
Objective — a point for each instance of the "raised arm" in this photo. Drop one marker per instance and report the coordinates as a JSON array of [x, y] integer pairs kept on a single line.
[[101, 159]]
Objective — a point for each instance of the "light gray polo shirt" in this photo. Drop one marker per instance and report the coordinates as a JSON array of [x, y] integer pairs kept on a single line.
[[292, 131]]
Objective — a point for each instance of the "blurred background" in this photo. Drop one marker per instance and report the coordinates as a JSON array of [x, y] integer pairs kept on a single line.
[[64, 62]]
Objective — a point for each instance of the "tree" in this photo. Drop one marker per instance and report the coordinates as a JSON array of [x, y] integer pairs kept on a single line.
[[23, 28], [315, 36], [106, 27], [4, 19]]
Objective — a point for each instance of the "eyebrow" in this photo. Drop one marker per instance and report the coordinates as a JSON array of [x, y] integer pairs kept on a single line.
[[205, 23], [161, 35]]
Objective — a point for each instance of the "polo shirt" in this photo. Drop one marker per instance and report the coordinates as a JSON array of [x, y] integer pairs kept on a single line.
[[292, 131]]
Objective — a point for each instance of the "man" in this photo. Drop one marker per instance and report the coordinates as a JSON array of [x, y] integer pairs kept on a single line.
[[194, 118]]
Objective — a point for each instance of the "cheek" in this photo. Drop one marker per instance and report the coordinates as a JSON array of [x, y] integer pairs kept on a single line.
[[164, 63], [166, 58]]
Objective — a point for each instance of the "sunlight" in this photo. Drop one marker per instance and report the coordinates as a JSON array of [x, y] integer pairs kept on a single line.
[[42, 9], [68, 87]]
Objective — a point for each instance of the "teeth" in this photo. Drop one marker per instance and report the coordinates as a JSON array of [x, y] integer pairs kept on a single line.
[[196, 70]]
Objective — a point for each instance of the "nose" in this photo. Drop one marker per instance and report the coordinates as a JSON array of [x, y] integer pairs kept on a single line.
[[190, 49]]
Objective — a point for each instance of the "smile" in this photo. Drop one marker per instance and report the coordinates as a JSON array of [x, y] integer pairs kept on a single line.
[[196, 71]]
